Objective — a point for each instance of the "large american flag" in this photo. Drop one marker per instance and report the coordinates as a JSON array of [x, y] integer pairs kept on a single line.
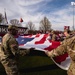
[[41, 42]]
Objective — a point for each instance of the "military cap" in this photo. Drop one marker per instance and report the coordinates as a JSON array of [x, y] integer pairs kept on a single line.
[[12, 27]]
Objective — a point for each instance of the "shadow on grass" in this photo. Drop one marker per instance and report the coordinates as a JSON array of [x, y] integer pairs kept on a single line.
[[41, 68], [2, 72], [37, 53]]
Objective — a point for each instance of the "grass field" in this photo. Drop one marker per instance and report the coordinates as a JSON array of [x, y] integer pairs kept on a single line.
[[37, 63]]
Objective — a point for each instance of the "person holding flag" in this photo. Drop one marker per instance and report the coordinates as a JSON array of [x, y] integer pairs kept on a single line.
[[67, 46], [10, 51]]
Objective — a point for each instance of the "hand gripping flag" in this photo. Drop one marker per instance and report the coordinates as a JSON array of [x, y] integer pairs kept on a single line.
[[40, 42]]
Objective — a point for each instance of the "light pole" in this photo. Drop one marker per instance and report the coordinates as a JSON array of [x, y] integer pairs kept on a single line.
[[73, 4]]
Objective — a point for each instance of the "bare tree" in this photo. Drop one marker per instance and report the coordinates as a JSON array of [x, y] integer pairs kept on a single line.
[[45, 24], [30, 26], [15, 22]]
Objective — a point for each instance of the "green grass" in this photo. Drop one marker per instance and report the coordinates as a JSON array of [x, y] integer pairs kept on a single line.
[[37, 63]]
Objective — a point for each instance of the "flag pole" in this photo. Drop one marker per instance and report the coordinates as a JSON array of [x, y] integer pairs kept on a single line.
[[73, 4], [5, 16]]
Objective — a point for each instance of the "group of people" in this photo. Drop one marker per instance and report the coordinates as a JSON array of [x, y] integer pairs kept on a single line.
[[58, 36], [10, 51]]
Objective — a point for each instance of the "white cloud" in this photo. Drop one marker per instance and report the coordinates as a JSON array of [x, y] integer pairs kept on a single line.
[[28, 2], [61, 18], [29, 11]]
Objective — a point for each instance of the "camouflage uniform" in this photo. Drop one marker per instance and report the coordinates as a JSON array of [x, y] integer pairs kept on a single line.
[[9, 52], [68, 46], [53, 36]]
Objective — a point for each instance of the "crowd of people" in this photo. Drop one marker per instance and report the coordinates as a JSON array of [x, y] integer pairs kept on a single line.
[[60, 36], [10, 51]]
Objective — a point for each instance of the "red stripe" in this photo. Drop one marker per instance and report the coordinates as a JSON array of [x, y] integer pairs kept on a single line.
[[54, 45], [61, 58], [42, 40]]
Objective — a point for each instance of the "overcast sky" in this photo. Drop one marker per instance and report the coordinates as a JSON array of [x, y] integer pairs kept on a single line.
[[59, 12]]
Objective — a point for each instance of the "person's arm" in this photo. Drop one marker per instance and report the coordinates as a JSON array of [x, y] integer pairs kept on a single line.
[[13, 45], [25, 51], [58, 51], [16, 50], [62, 48]]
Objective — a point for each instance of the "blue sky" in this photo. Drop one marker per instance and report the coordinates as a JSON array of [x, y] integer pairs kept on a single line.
[[59, 12]]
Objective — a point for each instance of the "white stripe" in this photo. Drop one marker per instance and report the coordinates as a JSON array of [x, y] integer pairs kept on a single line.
[[65, 64], [40, 46]]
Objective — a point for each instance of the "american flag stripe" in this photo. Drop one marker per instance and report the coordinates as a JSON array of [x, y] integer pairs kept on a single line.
[[41, 43]]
